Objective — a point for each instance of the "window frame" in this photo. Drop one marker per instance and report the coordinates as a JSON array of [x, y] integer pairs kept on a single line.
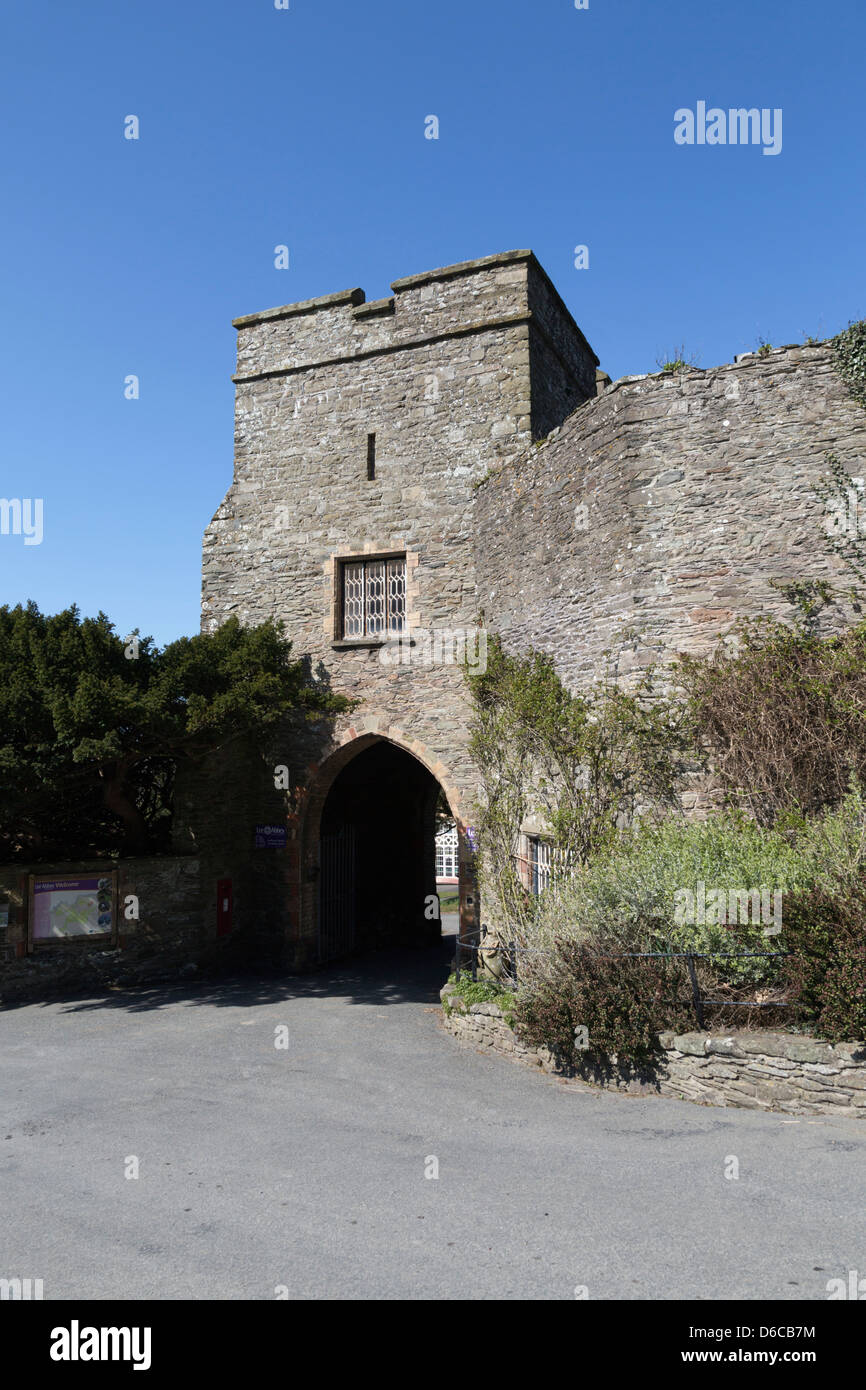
[[365, 560], [540, 864], [448, 854]]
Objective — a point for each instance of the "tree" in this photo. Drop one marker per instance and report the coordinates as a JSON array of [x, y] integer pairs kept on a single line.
[[92, 727]]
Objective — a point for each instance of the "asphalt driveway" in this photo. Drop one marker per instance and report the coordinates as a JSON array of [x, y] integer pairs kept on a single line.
[[301, 1168]]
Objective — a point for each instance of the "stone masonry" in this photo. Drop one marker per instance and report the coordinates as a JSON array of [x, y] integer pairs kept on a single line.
[[462, 424], [455, 374], [166, 937], [753, 1071], [658, 514], [611, 525]]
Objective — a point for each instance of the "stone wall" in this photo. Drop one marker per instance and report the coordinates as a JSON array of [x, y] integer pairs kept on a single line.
[[562, 365], [442, 377], [169, 935], [455, 373], [612, 531], [660, 511], [640, 522], [750, 1070]]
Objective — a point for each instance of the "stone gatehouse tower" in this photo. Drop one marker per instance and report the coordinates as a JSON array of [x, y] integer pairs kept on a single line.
[[362, 433], [451, 455]]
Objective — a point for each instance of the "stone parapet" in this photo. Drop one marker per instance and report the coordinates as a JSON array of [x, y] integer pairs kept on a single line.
[[666, 509]]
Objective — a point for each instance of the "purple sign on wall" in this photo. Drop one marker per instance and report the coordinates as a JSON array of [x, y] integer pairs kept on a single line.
[[64, 907], [271, 836]]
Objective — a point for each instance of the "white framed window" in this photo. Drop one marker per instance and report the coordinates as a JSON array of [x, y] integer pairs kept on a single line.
[[447, 857], [373, 594]]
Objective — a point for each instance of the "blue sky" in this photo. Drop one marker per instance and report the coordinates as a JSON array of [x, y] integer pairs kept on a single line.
[[305, 127]]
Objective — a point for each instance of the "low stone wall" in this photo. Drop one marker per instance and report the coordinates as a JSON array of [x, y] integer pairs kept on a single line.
[[755, 1071], [165, 940]]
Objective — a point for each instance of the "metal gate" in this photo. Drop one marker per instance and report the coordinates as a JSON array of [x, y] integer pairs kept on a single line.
[[337, 894]]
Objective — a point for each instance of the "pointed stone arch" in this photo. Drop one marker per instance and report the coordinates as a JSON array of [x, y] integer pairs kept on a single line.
[[356, 739]]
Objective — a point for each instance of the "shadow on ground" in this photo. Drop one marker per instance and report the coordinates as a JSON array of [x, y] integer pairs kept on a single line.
[[398, 976]]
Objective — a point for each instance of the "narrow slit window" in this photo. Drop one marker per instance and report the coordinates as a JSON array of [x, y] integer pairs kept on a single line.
[[371, 457]]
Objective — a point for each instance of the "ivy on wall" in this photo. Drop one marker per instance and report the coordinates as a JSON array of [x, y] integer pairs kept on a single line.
[[850, 350], [844, 502], [579, 764]]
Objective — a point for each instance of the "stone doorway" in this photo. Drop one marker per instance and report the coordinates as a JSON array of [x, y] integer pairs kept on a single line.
[[376, 854]]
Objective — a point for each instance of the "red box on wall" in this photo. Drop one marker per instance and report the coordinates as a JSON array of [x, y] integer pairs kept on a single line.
[[224, 906]]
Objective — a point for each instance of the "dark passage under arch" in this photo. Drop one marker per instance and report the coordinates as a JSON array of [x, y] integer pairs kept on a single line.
[[377, 854]]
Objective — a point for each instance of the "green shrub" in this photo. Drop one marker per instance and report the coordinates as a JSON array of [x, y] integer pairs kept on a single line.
[[626, 901], [623, 1004], [832, 846], [826, 973], [634, 894], [676, 360], [481, 992], [582, 764]]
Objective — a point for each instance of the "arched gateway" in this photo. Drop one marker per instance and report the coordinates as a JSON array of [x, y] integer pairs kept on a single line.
[[368, 847]]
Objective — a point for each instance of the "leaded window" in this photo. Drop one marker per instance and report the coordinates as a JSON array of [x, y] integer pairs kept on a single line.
[[374, 598]]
